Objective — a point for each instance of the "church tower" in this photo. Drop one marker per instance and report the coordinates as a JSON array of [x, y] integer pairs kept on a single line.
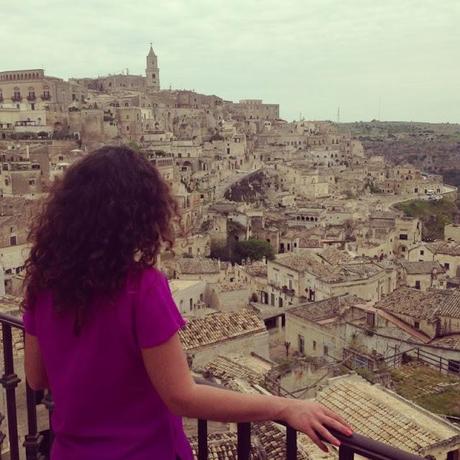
[[152, 72]]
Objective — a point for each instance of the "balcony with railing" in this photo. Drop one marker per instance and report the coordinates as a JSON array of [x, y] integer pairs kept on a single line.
[[36, 444]]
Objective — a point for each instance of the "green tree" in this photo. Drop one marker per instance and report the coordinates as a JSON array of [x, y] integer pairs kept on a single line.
[[253, 249]]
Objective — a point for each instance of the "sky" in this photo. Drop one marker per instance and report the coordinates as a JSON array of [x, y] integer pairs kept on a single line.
[[375, 59]]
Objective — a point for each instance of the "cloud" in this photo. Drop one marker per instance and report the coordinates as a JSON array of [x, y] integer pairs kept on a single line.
[[308, 55]]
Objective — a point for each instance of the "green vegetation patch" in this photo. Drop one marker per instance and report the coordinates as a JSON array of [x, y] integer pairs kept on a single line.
[[436, 392], [433, 214]]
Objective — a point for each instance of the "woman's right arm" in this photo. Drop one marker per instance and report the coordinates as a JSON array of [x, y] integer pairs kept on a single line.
[[167, 367]]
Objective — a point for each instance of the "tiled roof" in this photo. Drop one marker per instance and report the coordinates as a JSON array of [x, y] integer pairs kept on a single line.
[[218, 327], [355, 271], [258, 269], [421, 268], [448, 341], [228, 368], [192, 265], [334, 256], [307, 261], [269, 439], [384, 416], [301, 261], [451, 248], [451, 305], [228, 286], [325, 309], [222, 446], [268, 442], [422, 305], [272, 438], [308, 243]]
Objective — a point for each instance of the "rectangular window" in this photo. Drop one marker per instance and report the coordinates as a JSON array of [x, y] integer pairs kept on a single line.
[[403, 236], [417, 324], [301, 343], [417, 284], [446, 266], [314, 345], [325, 350], [422, 252], [13, 240], [370, 316]]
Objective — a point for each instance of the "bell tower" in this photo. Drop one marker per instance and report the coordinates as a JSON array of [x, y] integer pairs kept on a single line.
[[152, 72]]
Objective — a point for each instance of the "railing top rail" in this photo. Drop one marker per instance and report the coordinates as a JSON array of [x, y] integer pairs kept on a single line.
[[11, 320], [371, 448], [358, 443]]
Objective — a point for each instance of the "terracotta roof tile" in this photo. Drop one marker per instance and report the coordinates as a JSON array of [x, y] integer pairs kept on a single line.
[[218, 327]]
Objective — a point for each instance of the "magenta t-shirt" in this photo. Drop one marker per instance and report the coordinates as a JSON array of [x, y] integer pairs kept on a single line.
[[106, 407]]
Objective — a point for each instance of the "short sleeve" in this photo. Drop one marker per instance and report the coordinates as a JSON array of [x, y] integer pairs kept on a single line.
[[28, 318], [157, 317]]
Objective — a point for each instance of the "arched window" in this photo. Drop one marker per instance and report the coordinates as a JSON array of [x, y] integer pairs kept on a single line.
[[16, 94], [46, 93]]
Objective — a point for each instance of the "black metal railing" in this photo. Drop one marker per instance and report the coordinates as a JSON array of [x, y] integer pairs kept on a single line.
[[37, 443], [417, 354]]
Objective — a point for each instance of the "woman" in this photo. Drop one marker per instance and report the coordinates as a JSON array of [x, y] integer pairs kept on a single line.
[[102, 327]]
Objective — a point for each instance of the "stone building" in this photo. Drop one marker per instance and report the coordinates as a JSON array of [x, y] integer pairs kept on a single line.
[[312, 329], [383, 415], [253, 109], [152, 72], [220, 333], [305, 275], [31, 89], [446, 253], [434, 312], [422, 275]]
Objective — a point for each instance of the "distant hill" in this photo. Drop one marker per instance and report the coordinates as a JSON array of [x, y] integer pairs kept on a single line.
[[432, 147]]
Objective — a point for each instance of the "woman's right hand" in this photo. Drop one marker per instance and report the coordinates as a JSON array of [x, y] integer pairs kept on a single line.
[[314, 419]]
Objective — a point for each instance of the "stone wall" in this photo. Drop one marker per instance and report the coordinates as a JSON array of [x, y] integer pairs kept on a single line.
[[245, 344]]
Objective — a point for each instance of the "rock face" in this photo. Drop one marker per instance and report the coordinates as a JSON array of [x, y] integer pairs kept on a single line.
[[253, 188]]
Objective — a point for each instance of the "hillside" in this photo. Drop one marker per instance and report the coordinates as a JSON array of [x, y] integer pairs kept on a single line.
[[432, 147], [433, 214]]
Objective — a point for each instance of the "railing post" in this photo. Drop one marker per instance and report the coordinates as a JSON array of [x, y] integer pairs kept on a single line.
[[9, 381], [33, 439], [202, 439], [244, 441], [291, 444], [49, 404], [2, 435], [346, 453]]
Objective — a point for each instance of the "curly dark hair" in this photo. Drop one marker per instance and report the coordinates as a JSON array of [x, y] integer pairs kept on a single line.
[[110, 214]]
